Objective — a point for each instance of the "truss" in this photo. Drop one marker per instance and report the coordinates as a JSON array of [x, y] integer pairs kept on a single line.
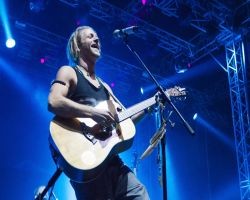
[[236, 68], [107, 12], [199, 19], [72, 3], [201, 13]]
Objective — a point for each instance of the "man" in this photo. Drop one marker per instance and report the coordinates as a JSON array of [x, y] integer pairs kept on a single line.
[[74, 93]]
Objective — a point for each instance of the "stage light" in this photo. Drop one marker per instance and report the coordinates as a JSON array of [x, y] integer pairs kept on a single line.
[[5, 24], [42, 60], [144, 2], [142, 91], [180, 69], [216, 132], [10, 43], [195, 116], [112, 84], [26, 85]]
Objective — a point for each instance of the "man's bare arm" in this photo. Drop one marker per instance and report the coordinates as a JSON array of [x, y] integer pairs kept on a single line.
[[61, 105]]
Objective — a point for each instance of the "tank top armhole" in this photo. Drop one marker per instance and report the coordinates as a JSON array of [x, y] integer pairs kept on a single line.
[[71, 89]]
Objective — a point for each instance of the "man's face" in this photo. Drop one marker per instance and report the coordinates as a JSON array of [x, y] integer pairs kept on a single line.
[[89, 43]]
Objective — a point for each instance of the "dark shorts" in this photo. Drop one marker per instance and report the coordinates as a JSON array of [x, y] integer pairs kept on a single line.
[[118, 182]]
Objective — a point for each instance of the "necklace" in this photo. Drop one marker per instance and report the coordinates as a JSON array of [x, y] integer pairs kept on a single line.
[[84, 71], [86, 74]]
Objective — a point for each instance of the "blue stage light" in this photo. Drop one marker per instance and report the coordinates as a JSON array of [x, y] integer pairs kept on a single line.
[[10, 43], [195, 116], [181, 71], [142, 91], [216, 132], [4, 19]]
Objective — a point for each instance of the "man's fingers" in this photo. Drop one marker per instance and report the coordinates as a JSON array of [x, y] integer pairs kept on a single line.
[[104, 117]]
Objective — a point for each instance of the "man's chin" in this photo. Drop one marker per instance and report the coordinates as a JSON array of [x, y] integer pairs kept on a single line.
[[96, 54]]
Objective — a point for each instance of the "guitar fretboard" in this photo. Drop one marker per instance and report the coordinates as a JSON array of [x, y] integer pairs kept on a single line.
[[136, 109], [176, 91]]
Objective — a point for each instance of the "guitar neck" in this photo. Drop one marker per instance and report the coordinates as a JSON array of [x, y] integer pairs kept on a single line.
[[136, 109], [176, 91]]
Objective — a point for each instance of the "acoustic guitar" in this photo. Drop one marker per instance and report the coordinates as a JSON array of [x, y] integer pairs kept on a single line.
[[81, 147]]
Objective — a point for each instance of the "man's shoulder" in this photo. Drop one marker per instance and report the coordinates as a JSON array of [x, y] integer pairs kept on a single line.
[[66, 67], [66, 72]]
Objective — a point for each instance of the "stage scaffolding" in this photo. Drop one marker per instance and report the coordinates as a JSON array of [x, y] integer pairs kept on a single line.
[[236, 68]]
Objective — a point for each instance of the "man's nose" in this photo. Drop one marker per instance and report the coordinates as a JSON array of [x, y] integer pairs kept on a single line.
[[96, 40]]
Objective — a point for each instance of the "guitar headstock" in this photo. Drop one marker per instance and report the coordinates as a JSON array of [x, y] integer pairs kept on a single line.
[[176, 91]]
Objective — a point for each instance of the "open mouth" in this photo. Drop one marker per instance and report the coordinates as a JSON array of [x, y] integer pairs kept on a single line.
[[96, 46]]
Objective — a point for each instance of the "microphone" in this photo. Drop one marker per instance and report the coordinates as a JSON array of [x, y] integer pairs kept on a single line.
[[121, 33], [154, 140]]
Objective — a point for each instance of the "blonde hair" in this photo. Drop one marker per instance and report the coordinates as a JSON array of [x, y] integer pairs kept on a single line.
[[73, 49]]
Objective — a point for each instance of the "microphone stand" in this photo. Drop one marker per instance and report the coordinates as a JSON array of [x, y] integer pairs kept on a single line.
[[163, 154], [51, 182], [167, 99]]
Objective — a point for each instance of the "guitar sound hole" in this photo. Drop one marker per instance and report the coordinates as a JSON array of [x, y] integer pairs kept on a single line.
[[97, 132], [103, 135]]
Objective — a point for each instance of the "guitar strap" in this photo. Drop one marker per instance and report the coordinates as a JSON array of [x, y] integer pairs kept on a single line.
[[111, 93]]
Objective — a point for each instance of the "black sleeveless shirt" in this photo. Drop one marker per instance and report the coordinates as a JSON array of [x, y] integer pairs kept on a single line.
[[86, 93]]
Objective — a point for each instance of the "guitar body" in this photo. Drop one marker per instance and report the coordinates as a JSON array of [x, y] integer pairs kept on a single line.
[[82, 148], [81, 151]]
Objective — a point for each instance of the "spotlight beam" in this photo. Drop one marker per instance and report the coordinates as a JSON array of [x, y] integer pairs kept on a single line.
[[4, 19]]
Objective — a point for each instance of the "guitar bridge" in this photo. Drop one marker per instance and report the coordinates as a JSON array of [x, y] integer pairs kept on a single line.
[[86, 133], [90, 137]]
